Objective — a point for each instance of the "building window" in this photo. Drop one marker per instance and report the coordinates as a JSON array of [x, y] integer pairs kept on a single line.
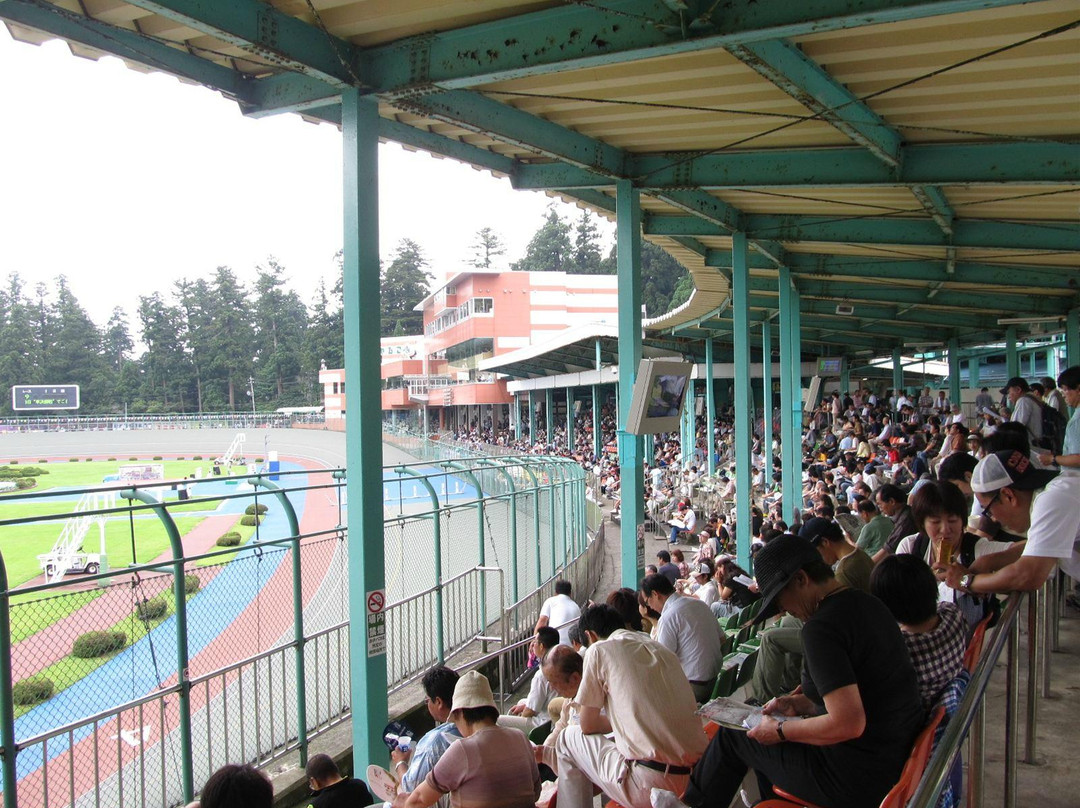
[[336, 388], [483, 305]]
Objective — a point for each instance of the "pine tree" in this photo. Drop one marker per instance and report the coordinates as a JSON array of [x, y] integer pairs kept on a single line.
[[586, 247], [404, 284], [232, 343], [160, 331], [280, 323], [550, 249], [195, 302], [488, 245], [18, 348]]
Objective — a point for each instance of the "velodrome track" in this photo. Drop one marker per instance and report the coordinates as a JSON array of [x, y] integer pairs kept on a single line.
[[307, 448]]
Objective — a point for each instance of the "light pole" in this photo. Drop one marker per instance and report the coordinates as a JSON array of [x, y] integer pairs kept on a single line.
[[251, 392]]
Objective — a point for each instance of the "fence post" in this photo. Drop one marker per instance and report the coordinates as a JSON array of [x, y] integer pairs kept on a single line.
[[183, 678], [1032, 677], [464, 471], [298, 613], [536, 516], [436, 530], [7, 705], [1012, 693], [513, 525]]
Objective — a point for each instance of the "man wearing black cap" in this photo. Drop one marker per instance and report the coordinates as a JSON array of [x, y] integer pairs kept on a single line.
[[1023, 499], [1025, 409]]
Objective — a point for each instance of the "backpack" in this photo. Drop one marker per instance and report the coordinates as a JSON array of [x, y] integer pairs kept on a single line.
[[1053, 428]]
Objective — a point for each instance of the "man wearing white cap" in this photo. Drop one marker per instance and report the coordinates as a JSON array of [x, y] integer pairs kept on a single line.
[[1023, 499]]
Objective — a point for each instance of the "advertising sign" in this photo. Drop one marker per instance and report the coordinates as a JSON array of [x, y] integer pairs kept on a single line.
[[44, 397]]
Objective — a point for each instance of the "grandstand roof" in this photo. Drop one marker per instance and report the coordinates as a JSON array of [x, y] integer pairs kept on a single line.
[[916, 159]]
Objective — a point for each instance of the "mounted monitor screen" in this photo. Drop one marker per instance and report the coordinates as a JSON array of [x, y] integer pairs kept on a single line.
[[830, 366], [659, 390]]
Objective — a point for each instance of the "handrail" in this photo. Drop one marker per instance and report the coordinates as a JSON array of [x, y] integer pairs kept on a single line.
[[940, 766]]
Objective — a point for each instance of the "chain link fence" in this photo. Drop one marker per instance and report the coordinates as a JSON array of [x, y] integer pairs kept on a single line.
[[148, 703]]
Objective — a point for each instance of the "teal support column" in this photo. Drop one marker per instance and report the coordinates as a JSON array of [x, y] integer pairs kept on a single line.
[[954, 370], [897, 372], [1072, 338], [1052, 369], [570, 419], [973, 373], [767, 399], [685, 440], [740, 307], [628, 261], [517, 417], [1012, 357], [363, 437], [532, 419], [549, 415], [597, 442], [845, 377], [790, 397], [710, 408]]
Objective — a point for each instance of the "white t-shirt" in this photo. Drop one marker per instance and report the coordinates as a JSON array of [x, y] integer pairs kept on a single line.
[[1055, 524], [558, 610]]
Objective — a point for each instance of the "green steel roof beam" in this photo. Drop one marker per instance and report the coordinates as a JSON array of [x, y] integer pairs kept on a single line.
[[486, 116], [705, 206], [1042, 236], [782, 63], [290, 92], [125, 44], [571, 37], [989, 163], [848, 292], [870, 311], [816, 265], [268, 34]]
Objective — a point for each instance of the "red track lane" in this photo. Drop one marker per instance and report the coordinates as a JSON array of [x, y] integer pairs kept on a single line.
[[271, 610]]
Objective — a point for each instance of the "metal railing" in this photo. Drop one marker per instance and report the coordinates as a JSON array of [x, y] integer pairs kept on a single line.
[[969, 721], [218, 671], [114, 422]]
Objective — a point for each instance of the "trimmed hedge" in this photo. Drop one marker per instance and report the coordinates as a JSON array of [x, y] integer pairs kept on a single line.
[[229, 540], [252, 509], [25, 482], [112, 460], [73, 460], [157, 457], [250, 520], [98, 643], [33, 690], [152, 609], [196, 457], [191, 584], [132, 459]]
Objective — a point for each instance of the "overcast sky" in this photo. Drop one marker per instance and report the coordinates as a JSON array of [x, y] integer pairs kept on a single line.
[[125, 181]]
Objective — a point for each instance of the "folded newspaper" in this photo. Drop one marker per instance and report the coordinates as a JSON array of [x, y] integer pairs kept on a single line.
[[734, 714]]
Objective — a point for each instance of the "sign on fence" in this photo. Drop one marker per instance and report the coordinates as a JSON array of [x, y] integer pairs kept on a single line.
[[376, 622]]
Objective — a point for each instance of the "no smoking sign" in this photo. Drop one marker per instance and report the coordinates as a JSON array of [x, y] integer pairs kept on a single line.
[[376, 623]]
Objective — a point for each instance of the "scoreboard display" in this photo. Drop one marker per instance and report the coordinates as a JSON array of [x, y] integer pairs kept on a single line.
[[45, 397]]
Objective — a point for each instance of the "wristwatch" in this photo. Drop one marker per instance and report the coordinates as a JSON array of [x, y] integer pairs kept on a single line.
[[965, 582], [780, 730]]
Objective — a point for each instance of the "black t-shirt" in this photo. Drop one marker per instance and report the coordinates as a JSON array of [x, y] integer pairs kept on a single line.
[[344, 794], [853, 639]]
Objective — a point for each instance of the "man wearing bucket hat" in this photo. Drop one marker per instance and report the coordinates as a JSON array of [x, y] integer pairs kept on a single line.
[[860, 706], [491, 766], [1023, 499]]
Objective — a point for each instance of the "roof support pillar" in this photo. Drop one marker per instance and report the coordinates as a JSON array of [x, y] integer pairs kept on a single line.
[[973, 373], [532, 419], [710, 409], [597, 441], [517, 416], [570, 419], [740, 306], [954, 371], [897, 372], [766, 398], [790, 396], [363, 432], [549, 416], [1012, 357], [1072, 338], [1052, 369], [687, 440], [845, 377], [628, 264]]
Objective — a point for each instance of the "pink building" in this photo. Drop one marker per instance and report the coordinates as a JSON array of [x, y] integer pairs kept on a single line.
[[473, 316]]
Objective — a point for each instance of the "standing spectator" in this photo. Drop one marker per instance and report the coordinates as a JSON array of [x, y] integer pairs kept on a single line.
[[1069, 459], [559, 611], [1024, 409]]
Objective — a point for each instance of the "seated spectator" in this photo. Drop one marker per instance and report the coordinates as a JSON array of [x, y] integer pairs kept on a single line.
[[236, 786], [331, 790], [732, 583], [850, 565], [935, 633], [860, 700], [665, 567], [940, 511], [414, 766], [531, 711], [625, 602], [491, 766], [876, 527], [679, 560], [563, 669], [705, 588], [689, 630], [559, 611]]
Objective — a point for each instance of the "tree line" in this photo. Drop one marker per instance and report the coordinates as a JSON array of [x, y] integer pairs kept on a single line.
[[210, 342]]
